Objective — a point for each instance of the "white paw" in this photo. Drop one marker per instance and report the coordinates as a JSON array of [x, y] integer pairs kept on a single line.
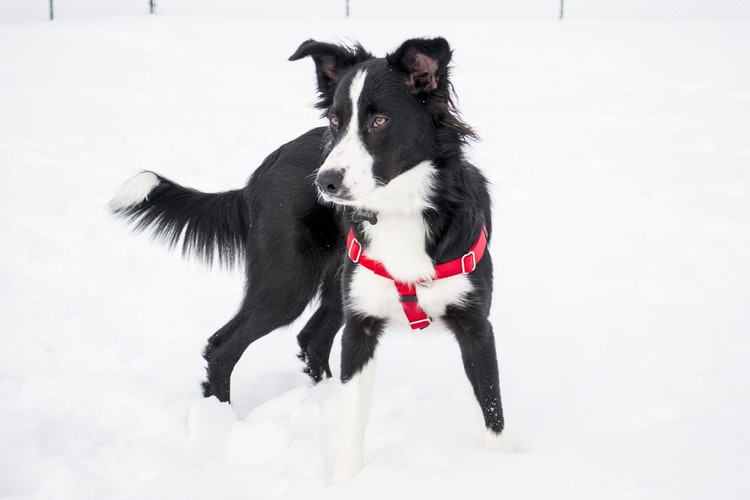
[[345, 470], [497, 442]]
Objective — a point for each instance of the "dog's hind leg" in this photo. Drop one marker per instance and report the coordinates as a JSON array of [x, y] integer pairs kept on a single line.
[[222, 353], [226, 346], [316, 338], [477, 343], [268, 304]]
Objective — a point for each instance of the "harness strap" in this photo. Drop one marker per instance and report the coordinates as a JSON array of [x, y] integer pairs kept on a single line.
[[417, 317]]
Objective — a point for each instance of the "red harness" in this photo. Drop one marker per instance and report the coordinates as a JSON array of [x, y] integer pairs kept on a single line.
[[407, 292]]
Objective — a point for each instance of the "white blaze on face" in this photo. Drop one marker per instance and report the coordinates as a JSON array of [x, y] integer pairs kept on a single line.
[[350, 156]]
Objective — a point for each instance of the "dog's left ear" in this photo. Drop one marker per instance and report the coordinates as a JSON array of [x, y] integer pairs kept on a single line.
[[425, 62], [331, 63]]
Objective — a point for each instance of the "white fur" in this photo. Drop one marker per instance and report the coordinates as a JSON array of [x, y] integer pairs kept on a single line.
[[442, 293], [408, 193], [398, 241], [350, 156], [373, 295], [356, 396], [135, 190]]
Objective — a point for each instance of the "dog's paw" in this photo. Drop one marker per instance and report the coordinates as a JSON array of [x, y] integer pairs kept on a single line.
[[498, 442], [345, 470]]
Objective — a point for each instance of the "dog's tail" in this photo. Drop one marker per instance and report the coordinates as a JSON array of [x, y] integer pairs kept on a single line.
[[209, 225]]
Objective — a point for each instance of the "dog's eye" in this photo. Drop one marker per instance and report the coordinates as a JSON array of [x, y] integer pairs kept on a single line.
[[378, 121], [334, 121]]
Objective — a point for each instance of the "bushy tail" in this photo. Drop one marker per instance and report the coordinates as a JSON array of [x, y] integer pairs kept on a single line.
[[209, 225]]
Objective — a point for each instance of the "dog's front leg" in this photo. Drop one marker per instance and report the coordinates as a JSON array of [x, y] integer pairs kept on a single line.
[[358, 343], [477, 343]]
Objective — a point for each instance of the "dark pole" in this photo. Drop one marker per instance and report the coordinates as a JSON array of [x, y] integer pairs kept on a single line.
[[562, 2], [152, 6], [51, 11], [347, 8]]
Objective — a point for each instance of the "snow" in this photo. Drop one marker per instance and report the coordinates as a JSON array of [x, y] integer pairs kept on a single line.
[[619, 155]]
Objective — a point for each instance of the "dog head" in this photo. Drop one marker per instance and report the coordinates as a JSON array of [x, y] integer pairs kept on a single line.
[[391, 122]]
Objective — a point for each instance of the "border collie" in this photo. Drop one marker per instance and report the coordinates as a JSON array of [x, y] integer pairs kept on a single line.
[[380, 213]]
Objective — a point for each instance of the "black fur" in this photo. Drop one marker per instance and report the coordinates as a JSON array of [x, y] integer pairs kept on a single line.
[[293, 243], [209, 225], [410, 94], [293, 247], [330, 61]]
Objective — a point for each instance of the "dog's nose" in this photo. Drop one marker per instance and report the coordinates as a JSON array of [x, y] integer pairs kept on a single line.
[[329, 181]]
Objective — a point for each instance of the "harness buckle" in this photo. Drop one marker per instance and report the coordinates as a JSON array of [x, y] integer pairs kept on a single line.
[[355, 250], [468, 266], [420, 324], [426, 283]]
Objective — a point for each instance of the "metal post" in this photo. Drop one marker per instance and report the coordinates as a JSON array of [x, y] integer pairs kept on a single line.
[[51, 11], [152, 6], [347, 8], [562, 4]]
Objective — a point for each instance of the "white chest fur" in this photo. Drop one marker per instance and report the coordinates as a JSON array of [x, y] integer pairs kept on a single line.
[[398, 242]]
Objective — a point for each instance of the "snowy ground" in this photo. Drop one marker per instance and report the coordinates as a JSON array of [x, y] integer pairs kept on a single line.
[[620, 157]]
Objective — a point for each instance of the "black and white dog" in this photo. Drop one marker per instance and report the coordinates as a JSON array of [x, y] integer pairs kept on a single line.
[[380, 213]]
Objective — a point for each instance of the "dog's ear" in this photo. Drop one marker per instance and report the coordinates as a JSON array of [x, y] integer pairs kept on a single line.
[[331, 63], [425, 62]]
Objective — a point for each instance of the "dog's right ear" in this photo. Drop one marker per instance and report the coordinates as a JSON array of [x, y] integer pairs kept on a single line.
[[331, 63]]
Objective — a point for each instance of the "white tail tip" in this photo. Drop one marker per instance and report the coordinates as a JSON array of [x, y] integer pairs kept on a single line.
[[135, 190]]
